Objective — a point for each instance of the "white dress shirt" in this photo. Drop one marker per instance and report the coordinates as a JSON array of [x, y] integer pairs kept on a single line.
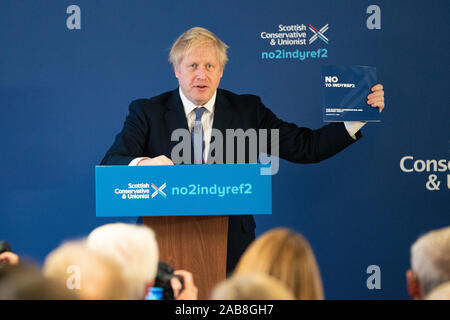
[[208, 117]]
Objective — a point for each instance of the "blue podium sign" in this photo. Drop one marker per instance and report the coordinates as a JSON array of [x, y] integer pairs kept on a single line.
[[219, 189]]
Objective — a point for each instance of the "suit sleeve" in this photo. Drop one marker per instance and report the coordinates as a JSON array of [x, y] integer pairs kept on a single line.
[[130, 142], [303, 145]]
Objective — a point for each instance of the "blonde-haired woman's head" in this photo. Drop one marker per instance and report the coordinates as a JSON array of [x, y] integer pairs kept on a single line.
[[257, 286], [287, 256]]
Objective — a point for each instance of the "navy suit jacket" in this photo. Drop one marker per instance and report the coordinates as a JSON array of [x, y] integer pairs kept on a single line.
[[148, 127]]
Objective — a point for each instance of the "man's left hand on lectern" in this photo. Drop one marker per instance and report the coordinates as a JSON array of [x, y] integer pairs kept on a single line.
[[156, 161]]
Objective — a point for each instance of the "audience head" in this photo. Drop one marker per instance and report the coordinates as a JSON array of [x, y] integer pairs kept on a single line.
[[90, 274], [134, 249], [441, 292], [25, 281], [257, 286], [430, 263], [287, 256]]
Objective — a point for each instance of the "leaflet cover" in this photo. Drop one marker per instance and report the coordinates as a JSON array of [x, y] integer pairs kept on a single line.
[[345, 91]]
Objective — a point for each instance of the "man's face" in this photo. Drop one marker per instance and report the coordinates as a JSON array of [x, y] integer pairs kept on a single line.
[[199, 74]]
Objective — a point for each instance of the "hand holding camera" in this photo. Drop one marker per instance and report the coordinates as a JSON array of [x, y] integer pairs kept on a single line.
[[190, 291], [6, 256], [173, 285]]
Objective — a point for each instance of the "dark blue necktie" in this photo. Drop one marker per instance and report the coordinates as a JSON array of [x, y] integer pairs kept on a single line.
[[197, 136]]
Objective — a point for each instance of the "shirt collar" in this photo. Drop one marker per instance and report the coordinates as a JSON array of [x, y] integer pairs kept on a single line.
[[189, 106]]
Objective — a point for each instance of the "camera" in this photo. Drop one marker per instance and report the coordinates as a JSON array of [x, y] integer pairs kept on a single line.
[[4, 246], [165, 273]]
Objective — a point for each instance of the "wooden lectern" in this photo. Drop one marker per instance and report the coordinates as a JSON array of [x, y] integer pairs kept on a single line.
[[192, 241], [197, 244]]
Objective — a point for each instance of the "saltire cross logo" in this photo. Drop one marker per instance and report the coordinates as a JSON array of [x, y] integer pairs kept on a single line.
[[158, 190], [318, 34]]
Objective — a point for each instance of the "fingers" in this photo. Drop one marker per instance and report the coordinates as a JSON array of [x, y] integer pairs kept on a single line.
[[157, 161], [376, 98], [166, 161], [377, 87], [176, 286], [379, 105], [9, 257], [190, 291], [376, 94], [187, 276], [162, 161]]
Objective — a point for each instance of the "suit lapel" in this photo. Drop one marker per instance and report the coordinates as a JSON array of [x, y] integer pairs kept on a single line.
[[223, 115], [223, 118], [175, 118]]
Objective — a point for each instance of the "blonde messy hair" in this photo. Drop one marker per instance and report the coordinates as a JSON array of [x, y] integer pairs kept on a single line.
[[194, 38], [133, 248], [287, 256], [430, 259], [100, 277], [257, 286]]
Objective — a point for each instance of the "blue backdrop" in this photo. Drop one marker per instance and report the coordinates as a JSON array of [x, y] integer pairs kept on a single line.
[[64, 95]]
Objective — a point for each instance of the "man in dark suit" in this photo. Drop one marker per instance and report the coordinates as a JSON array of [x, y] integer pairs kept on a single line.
[[198, 59]]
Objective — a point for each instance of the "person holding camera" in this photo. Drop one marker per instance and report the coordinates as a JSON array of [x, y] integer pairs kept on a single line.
[[6, 256], [135, 250]]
